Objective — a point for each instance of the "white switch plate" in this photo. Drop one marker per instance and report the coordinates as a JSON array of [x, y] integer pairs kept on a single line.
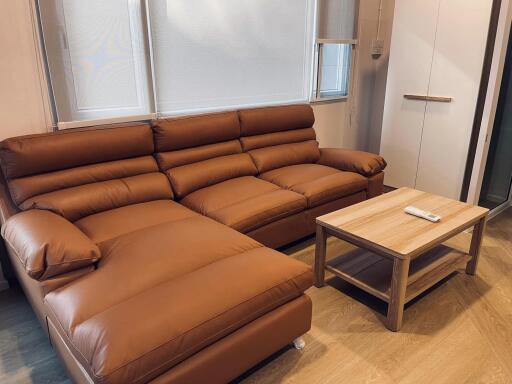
[[377, 47]]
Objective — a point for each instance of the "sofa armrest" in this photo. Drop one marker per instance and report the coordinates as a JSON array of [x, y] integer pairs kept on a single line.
[[364, 163], [48, 245]]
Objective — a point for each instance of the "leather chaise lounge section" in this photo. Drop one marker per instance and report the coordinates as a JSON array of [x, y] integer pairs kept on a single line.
[[146, 250]]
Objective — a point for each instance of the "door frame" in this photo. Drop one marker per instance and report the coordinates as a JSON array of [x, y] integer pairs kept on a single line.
[[500, 208], [501, 21]]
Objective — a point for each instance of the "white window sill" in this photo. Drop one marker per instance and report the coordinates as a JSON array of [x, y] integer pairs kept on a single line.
[[330, 99]]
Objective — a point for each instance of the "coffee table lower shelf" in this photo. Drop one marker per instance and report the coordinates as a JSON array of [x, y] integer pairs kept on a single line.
[[372, 273]]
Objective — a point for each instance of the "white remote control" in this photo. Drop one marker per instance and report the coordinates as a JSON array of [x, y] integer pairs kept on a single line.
[[421, 213]]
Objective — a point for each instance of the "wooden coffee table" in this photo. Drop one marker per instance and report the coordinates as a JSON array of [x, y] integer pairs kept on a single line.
[[399, 256]]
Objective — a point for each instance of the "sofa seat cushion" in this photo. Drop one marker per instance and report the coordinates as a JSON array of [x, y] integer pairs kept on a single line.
[[162, 293], [116, 222], [245, 203], [318, 183]]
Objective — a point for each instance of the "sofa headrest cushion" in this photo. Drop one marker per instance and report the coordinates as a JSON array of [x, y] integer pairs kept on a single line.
[[84, 200], [277, 138], [28, 155], [278, 156], [180, 157], [24, 188], [191, 131], [275, 119], [191, 177]]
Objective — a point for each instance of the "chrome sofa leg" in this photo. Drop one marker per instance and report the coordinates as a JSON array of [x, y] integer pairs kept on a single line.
[[299, 343]]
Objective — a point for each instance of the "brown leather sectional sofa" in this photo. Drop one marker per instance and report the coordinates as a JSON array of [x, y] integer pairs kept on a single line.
[[146, 250]]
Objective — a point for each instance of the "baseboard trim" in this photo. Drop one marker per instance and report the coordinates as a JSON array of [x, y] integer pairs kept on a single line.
[[496, 198]]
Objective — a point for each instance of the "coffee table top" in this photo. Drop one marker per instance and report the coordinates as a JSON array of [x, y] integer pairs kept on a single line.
[[382, 225]]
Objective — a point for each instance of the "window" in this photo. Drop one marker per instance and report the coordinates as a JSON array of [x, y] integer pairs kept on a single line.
[[230, 54], [96, 58], [125, 60], [333, 48], [334, 70]]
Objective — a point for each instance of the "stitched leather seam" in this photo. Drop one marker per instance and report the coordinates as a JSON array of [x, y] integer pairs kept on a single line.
[[129, 233], [37, 271], [290, 187], [246, 320], [204, 322], [314, 180], [72, 261], [290, 140], [170, 220], [80, 354], [136, 172], [162, 283], [244, 200], [272, 218], [64, 132], [266, 220], [325, 194], [180, 118], [232, 173]]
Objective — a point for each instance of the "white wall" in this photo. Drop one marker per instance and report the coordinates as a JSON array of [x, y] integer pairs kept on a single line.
[[23, 100], [24, 106], [331, 123]]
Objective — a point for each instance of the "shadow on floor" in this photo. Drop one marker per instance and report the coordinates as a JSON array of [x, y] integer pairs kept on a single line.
[[26, 355], [380, 306]]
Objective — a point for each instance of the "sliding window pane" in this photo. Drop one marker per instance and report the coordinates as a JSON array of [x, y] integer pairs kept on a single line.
[[225, 54], [335, 70], [96, 57]]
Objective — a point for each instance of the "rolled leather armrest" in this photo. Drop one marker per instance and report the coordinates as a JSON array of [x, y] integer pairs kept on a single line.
[[364, 163], [48, 245]]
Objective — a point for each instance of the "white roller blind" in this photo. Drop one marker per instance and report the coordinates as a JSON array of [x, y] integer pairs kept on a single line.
[[96, 57], [230, 53], [336, 19]]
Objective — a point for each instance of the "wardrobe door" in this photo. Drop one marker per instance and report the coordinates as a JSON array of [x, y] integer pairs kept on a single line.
[[456, 70], [412, 45]]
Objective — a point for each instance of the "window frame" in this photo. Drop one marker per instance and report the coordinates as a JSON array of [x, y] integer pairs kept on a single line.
[[318, 58], [144, 109], [318, 64], [316, 61], [311, 24]]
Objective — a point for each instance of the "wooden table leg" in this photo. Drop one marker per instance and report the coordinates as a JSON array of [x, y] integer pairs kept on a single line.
[[320, 250], [476, 244], [397, 294]]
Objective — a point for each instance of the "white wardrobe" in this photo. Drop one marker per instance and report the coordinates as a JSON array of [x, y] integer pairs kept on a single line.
[[435, 65]]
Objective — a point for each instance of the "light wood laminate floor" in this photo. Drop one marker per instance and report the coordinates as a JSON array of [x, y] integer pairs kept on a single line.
[[458, 332]]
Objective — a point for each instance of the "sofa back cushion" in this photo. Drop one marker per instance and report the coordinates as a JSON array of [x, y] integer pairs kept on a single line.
[[76, 173], [199, 151], [279, 136]]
